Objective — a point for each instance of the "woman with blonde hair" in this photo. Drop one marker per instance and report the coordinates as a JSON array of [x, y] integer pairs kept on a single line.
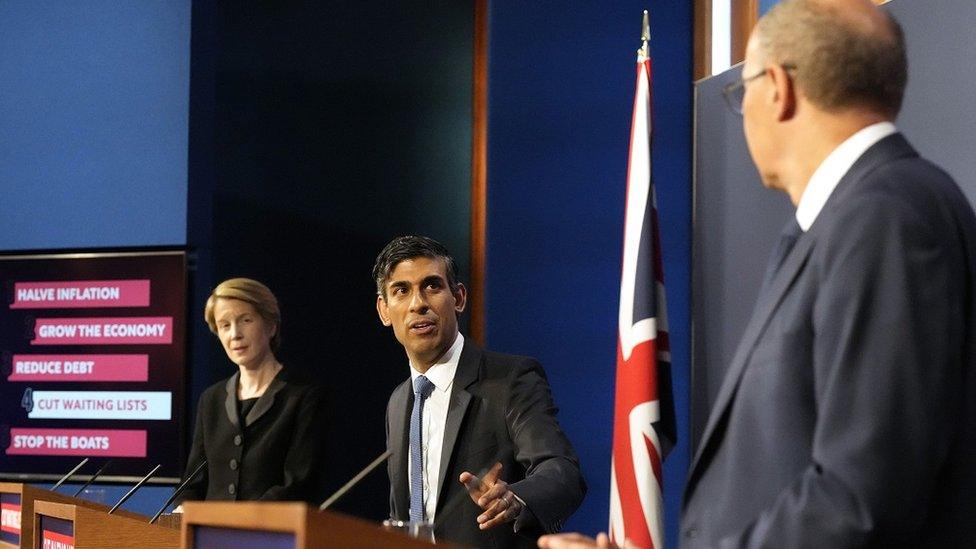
[[257, 429]]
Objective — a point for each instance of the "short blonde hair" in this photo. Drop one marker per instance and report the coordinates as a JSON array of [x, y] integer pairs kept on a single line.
[[249, 291]]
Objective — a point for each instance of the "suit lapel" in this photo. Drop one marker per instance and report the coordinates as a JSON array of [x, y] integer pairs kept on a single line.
[[400, 403], [765, 307], [230, 402], [265, 401], [469, 365]]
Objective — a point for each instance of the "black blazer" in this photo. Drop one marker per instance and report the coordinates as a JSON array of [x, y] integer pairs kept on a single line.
[[501, 409], [275, 455], [847, 417]]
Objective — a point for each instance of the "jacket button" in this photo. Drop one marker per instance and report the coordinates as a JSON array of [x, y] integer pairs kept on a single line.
[[233, 465], [237, 440], [232, 489], [691, 533]]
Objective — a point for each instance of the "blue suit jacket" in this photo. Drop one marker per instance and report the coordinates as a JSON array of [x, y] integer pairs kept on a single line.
[[847, 417]]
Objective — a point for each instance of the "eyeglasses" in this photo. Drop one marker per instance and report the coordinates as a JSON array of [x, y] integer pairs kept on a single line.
[[734, 92]]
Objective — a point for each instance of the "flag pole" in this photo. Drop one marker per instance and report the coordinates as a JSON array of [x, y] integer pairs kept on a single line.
[[643, 428], [642, 53]]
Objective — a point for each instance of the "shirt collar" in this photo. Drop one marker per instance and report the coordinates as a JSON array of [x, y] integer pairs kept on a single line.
[[441, 373], [826, 177]]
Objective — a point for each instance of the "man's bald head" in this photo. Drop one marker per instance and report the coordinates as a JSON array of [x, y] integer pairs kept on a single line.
[[847, 53]]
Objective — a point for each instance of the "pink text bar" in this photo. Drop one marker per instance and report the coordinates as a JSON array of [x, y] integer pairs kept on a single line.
[[77, 442], [103, 331], [79, 368], [81, 294]]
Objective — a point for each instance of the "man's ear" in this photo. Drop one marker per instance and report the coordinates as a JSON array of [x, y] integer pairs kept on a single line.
[[383, 311], [785, 92], [460, 298]]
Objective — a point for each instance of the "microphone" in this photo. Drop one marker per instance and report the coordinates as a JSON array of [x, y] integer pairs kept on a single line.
[[71, 472], [178, 491], [93, 477], [134, 488], [354, 481]]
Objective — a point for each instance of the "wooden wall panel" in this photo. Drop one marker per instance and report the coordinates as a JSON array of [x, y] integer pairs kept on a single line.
[[479, 174]]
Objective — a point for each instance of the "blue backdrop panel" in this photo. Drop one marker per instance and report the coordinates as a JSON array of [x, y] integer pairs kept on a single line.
[[93, 145], [561, 90], [94, 102]]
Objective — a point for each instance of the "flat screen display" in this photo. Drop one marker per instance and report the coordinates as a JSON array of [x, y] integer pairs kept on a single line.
[[92, 363]]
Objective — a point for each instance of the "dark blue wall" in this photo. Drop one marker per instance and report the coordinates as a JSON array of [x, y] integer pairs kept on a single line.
[[93, 143], [561, 88]]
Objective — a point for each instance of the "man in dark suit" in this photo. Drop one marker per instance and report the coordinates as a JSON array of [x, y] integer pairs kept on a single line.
[[473, 434], [847, 417]]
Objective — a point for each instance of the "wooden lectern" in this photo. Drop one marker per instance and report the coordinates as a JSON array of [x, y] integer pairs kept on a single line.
[[67, 525], [17, 511], [270, 525]]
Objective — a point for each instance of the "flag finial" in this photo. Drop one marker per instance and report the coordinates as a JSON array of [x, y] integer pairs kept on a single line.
[[642, 53]]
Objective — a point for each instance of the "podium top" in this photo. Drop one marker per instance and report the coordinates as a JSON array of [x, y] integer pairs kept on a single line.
[[34, 493], [96, 528], [311, 527]]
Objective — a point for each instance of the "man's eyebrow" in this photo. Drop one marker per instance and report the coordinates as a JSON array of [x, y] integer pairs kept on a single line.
[[433, 278]]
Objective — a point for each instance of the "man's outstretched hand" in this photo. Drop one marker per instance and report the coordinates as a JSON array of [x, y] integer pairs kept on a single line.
[[579, 541], [492, 494]]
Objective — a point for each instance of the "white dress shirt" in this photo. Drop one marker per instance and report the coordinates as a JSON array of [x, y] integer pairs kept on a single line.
[[441, 374], [826, 177]]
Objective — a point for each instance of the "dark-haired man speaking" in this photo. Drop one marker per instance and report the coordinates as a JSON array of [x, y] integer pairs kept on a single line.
[[473, 434]]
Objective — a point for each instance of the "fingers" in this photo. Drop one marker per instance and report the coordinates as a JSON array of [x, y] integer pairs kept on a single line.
[[567, 541], [492, 475], [498, 490], [603, 541], [576, 541], [492, 495], [501, 510], [478, 486], [472, 484]]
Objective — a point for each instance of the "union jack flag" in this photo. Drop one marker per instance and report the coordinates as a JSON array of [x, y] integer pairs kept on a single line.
[[644, 426]]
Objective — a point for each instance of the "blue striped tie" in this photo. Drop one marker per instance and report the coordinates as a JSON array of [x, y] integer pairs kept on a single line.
[[421, 390]]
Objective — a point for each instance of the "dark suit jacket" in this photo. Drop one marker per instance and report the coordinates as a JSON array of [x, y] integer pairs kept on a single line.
[[848, 416], [501, 409], [273, 456]]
